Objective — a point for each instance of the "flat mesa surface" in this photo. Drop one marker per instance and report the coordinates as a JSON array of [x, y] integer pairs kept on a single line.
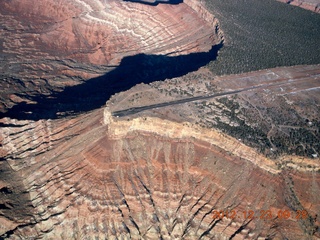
[[275, 111], [264, 34]]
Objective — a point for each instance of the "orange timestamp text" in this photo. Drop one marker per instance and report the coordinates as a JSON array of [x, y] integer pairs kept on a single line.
[[260, 214]]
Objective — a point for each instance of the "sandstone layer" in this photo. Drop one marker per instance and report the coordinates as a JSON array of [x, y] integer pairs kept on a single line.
[[63, 43], [312, 5], [145, 177]]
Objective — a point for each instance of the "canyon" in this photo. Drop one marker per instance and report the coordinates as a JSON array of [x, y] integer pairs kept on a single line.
[[154, 175], [114, 124], [64, 43]]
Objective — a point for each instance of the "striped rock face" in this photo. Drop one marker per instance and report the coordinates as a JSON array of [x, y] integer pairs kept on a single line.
[[96, 176], [103, 32], [48, 45], [142, 179]]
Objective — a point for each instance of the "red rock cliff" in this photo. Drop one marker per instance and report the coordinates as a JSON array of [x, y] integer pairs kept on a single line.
[[62, 43], [145, 178]]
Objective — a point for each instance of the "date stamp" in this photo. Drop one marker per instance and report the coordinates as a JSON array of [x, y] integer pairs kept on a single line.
[[266, 214]]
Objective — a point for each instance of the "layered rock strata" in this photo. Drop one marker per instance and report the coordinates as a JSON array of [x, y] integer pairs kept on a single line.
[[160, 173], [63, 43], [101, 176]]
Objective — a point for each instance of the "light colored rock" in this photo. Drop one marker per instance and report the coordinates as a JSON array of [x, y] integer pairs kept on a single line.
[[312, 5]]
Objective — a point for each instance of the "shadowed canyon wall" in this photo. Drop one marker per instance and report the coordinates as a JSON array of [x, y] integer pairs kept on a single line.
[[64, 43]]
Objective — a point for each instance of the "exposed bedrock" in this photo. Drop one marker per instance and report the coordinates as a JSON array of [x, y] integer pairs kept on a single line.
[[159, 174], [93, 93], [103, 32], [276, 111], [145, 178], [63, 43]]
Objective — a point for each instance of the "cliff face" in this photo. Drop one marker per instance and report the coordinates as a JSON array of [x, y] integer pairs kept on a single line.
[[63, 43], [103, 32], [145, 178], [246, 106]]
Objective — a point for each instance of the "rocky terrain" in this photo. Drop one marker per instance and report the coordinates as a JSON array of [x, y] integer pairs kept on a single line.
[[115, 125], [161, 172], [63, 43], [247, 111], [156, 174]]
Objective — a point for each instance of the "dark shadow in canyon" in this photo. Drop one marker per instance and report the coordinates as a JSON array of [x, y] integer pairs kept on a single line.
[[156, 2], [94, 92]]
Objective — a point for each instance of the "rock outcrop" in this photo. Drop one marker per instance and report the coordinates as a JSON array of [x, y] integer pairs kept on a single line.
[[246, 106], [141, 168], [63, 43], [155, 2], [102, 176]]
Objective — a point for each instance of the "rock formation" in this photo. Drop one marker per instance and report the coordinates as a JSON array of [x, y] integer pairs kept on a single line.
[[141, 167], [63, 43], [102, 176], [312, 5], [250, 115]]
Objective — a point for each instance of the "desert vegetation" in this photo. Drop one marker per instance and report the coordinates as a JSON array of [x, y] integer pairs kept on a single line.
[[264, 34], [273, 135], [251, 117]]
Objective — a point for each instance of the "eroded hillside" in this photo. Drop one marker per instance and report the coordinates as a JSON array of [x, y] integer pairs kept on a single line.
[[146, 178], [197, 156], [64, 43]]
